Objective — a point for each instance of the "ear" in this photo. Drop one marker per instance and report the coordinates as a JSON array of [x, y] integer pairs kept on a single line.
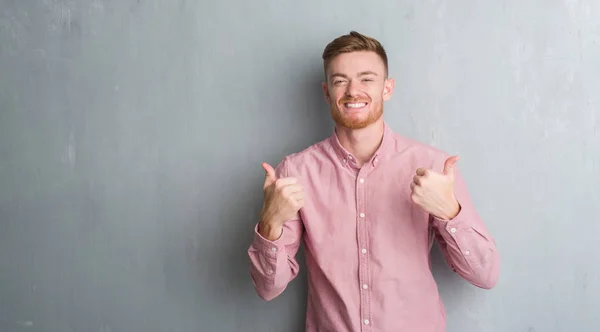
[[388, 89], [327, 96]]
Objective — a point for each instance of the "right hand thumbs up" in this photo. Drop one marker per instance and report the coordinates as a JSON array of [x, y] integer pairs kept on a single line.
[[282, 198], [270, 176]]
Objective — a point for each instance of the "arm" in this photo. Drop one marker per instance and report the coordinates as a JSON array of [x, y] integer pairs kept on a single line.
[[273, 251], [467, 246], [273, 263]]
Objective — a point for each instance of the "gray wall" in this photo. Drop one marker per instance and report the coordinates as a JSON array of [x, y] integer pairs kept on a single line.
[[131, 136]]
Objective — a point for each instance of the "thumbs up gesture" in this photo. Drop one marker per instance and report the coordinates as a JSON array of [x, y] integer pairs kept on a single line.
[[434, 192], [282, 199]]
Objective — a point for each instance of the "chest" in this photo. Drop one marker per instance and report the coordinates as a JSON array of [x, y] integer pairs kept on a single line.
[[376, 204]]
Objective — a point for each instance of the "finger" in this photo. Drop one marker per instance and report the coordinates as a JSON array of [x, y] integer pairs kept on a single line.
[[284, 182], [449, 165], [417, 190], [299, 195], [291, 189], [417, 179], [270, 176], [414, 198], [421, 171], [412, 186]]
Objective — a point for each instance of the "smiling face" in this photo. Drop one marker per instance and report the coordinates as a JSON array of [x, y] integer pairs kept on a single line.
[[356, 88]]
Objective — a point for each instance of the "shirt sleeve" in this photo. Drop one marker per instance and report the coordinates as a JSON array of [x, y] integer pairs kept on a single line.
[[468, 247], [273, 264]]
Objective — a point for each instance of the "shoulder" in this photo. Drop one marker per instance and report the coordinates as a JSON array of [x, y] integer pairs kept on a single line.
[[418, 151], [306, 158]]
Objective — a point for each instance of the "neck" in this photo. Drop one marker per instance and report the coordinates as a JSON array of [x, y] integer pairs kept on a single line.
[[362, 143]]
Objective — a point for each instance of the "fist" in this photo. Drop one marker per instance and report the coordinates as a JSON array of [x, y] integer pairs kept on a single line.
[[282, 198], [434, 192]]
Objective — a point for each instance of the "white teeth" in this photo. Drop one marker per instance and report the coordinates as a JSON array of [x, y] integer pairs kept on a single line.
[[356, 105]]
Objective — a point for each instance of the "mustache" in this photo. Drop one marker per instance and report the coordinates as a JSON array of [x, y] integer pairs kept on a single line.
[[354, 100]]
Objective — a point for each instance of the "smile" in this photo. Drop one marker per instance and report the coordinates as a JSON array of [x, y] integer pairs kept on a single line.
[[355, 105]]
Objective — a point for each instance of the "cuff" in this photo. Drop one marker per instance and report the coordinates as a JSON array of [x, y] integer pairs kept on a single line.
[[453, 225], [269, 248], [463, 221]]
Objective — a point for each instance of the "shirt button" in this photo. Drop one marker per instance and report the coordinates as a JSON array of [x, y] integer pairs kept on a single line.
[[270, 272], [365, 286], [453, 230], [467, 253], [362, 180], [362, 215], [273, 249], [344, 160], [366, 322], [364, 251]]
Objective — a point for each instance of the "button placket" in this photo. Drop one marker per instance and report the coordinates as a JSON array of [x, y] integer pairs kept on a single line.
[[362, 226]]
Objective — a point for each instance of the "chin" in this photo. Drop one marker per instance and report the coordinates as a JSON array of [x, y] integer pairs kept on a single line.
[[353, 122], [355, 116]]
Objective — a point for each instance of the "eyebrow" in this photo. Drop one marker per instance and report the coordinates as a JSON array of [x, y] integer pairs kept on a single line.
[[367, 73], [334, 75]]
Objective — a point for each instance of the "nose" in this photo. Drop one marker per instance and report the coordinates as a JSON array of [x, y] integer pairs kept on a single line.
[[352, 89]]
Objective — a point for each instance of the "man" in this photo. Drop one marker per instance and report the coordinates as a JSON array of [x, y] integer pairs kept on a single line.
[[367, 204]]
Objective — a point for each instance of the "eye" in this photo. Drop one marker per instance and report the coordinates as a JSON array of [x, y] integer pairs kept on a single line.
[[338, 82], [367, 80]]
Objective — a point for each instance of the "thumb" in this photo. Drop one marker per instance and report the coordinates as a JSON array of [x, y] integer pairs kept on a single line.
[[270, 176], [449, 165]]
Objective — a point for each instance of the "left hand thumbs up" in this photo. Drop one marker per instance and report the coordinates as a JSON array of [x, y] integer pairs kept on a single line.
[[434, 192], [449, 166]]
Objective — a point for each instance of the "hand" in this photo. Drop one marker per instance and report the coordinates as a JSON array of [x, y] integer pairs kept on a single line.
[[282, 200], [434, 192]]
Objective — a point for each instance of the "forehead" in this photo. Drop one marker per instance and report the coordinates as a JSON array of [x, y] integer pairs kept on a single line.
[[356, 62]]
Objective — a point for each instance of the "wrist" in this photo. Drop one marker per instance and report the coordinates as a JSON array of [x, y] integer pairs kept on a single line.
[[452, 210], [270, 230]]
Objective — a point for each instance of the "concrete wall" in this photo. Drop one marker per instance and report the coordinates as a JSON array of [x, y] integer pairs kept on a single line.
[[131, 136]]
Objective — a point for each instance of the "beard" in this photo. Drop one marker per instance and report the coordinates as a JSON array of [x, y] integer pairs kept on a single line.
[[351, 121]]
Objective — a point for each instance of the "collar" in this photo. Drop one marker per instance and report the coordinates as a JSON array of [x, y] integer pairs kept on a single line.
[[347, 159]]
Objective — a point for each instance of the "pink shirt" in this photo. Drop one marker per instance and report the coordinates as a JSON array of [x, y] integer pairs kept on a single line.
[[367, 245]]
